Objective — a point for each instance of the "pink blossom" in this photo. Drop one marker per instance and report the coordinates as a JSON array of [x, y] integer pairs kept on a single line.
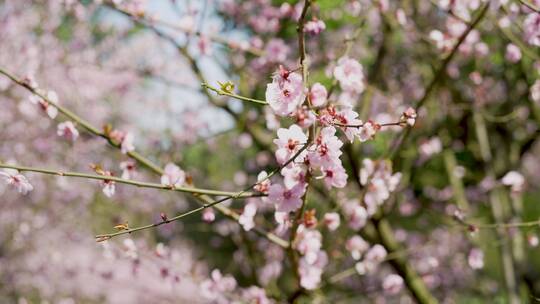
[[327, 150], [308, 242], [263, 183], [357, 246], [346, 120], [350, 75], [283, 220], [208, 215], [314, 27], [126, 145], [130, 249], [173, 176], [332, 221], [289, 142], [286, 200], [16, 180], [355, 214], [310, 273], [255, 295], [513, 53], [304, 117], [51, 110], [109, 188], [374, 257], [334, 176], [532, 240], [535, 92], [392, 284], [368, 131], [379, 180], [67, 130], [292, 176], [125, 139], [515, 180], [246, 218], [285, 93], [128, 169], [476, 258], [217, 286], [430, 147], [409, 116], [318, 95], [531, 29]]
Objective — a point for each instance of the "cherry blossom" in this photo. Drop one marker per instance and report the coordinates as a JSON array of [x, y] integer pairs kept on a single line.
[[318, 95], [208, 215], [51, 110], [535, 92], [263, 184], [16, 180], [314, 27], [310, 273], [476, 258], [289, 142], [256, 295], [216, 287], [67, 130], [327, 151], [348, 122], [334, 176], [380, 182], [286, 200], [173, 176], [392, 284], [374, 256], [357, 246], [308, 242], [304, 117], [285, 93], [515, 180], [368, 131], [409, 116], [332, 220], [130, 249], [350, 75], [109, 186], [513, 53], [293, 176], [356, 215], [246, 218], [128, 169], [531, 29]]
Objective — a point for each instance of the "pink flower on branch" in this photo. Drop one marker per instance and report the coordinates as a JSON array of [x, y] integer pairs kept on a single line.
[[45, 105], [286, 200], [286, 92], [289, 142], [68, 131], [173, 176], [16, 180]]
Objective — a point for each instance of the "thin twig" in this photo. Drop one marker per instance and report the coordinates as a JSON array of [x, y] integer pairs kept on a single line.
[[103, 237], [141, 159], [130, 182], [222, 92]]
